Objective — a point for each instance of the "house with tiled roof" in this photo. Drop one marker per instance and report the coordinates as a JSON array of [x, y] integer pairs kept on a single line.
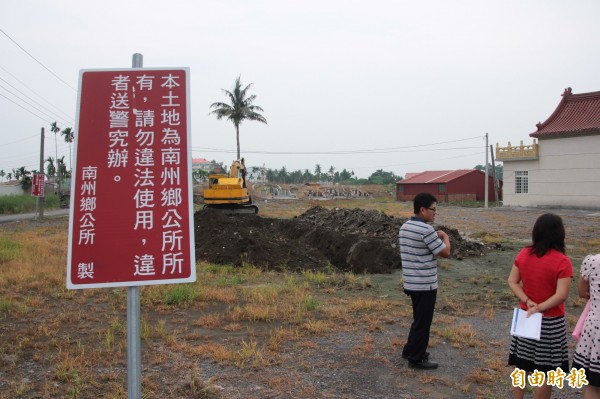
[[561, 168], [446, 185], [202, 164]]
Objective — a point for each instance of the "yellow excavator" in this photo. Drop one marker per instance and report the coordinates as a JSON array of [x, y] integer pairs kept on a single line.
[[228, 192]]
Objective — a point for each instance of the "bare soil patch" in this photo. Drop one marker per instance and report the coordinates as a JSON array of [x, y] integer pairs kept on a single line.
[[355, 240]]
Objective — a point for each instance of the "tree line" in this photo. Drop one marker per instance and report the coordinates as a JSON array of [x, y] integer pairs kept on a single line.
[[55, 167], [318, 175], [331, 175]]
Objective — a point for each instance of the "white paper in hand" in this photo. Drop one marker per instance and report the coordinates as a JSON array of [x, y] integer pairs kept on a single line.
[[526, 327]]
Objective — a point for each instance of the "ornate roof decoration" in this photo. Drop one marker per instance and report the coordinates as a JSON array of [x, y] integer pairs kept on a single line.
[[575, 115]]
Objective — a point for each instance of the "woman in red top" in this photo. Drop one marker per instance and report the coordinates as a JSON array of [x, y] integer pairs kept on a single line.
[[541, 278]]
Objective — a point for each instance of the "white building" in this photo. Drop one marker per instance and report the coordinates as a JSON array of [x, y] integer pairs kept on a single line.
[[563, 168]]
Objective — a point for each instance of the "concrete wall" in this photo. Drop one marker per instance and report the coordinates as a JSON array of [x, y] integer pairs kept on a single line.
[[567, 174], [11, 190]]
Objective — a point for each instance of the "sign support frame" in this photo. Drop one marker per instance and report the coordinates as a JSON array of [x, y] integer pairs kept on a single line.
[[134, 353]]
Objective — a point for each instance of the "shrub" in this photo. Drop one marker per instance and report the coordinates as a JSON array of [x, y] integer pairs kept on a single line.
[[179, 294], [13, 204]]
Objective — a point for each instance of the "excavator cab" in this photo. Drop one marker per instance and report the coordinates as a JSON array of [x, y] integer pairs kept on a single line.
[[228, 192]]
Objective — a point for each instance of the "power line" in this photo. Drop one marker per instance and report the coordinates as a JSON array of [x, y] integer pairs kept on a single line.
[[415, 163], [23, 139], [32, 106], [19, 105], [35, 59], [349, 152], [47, 102]]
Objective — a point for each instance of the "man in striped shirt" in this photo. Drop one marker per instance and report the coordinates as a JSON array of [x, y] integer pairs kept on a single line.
[[420, 245]]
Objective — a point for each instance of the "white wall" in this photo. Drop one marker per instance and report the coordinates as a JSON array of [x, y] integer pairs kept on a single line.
[[567, 174], [509, 197], [11, 190]]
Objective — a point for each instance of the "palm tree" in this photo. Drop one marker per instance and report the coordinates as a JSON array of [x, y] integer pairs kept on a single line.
[[331, 172], [54, 128], [240, 109], [318, 172], [24, 177], [50, 169], [2, 174], [307, 176], [282, 174], [69, 136], [61, 168]]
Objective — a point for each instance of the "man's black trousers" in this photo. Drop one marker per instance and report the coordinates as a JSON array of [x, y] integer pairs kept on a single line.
[[423, 303]]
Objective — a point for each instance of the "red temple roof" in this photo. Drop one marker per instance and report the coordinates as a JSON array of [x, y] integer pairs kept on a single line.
[[576, 114]]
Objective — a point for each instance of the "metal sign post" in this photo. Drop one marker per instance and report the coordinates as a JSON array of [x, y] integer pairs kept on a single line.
[[134, 352]]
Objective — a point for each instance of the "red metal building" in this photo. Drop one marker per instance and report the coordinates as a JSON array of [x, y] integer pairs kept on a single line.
[[448, 185]]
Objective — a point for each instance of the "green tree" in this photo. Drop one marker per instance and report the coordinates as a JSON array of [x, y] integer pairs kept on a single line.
[[271, 176], [318, 172], [382, 177], [61, 168], [50, 169], [345, 175], [55, 129], [240, 109], [199, 175], [307, 176], [282, 174], [2, 174], [24, 176], [69, 136], [296, 177], [331, 173]]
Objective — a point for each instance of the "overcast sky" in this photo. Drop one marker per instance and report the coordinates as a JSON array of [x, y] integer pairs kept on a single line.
[[403, 86]]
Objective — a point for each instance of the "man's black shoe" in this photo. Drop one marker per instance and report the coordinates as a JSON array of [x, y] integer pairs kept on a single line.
[[426, 357], [424, 365]]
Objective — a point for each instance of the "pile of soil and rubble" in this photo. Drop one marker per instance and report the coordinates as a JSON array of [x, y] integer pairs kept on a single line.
[[354, 240]]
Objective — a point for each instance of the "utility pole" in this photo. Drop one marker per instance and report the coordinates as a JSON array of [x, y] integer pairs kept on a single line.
[[40, 200], [495, 180], [486, 171]]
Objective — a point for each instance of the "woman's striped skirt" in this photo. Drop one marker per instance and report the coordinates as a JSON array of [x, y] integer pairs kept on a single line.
[[550, 352]]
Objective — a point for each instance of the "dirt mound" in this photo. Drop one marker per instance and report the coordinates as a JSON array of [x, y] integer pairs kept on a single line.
[[354, 240]]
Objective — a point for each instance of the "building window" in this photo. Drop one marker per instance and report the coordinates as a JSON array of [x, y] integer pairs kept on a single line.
[[442, 188], [400, 188], [521, 182]]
